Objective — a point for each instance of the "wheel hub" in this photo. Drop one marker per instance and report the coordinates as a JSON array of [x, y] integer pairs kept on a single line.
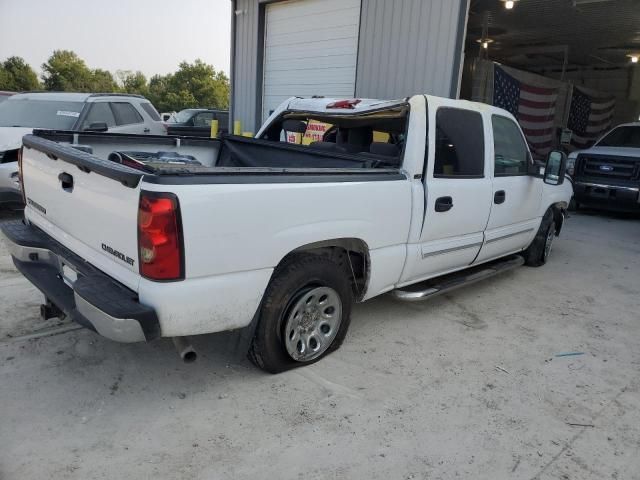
[[312, 323]]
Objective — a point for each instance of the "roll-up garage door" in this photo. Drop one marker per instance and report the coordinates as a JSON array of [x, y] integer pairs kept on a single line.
[[311, 48]]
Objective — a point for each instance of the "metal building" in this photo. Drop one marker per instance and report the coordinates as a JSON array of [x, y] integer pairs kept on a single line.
[[342, 48]]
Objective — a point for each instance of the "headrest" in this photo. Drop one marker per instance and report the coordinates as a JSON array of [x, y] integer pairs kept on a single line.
[[294, 126], [384, 149]]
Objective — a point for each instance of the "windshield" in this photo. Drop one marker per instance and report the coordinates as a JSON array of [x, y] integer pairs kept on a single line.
[[628, 136], [39, 114], [184, 116]]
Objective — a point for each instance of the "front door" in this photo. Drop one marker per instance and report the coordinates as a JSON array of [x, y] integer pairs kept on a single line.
[[457, 194], [516, 195]]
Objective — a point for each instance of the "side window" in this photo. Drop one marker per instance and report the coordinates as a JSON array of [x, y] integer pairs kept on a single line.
[[99, 112], [126, 113], [151, 111], [510, 148], [223, 118], [203, 119], [459, 144]]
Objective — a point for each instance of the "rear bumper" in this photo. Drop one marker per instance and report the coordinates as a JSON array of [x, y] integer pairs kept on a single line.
[[613, 197], [93, 299]]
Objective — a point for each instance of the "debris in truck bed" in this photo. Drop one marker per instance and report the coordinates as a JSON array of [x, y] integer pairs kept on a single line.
[[150, 161]]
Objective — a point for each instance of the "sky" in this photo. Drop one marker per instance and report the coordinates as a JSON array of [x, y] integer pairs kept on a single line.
[[152, 36]]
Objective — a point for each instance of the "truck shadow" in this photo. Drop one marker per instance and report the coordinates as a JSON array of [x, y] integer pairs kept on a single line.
[[594, 212]]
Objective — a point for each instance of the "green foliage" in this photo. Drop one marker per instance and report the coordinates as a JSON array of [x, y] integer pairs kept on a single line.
[[16, 75], [133, 82], [66, 72], [194, 84], [102, 81]]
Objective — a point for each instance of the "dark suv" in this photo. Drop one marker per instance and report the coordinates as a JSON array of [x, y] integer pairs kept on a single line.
[[196, 122]]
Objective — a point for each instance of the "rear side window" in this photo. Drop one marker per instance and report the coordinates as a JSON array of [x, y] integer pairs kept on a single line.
[[203, 119], [459, 144], [510, 148], [223, 118], [98, 113], [151, 111], [125, 113]]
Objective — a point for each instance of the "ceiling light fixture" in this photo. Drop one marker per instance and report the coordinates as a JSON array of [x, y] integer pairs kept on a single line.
[[634, 57], [509, 4], [484, 42]]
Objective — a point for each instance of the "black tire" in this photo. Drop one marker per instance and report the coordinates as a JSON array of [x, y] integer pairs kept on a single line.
[[290, 282], [573, 205], [536, 255]]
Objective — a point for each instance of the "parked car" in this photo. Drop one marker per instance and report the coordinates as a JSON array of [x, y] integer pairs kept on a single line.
[[4, 95], [607, 175], [196, 122], [184, 236], [21, 113], [168, 117]]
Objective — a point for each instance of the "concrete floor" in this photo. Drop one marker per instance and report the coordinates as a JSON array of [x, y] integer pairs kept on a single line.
[[465, 386]]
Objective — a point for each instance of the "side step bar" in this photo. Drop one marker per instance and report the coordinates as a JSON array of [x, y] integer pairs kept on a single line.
[[437, 286]]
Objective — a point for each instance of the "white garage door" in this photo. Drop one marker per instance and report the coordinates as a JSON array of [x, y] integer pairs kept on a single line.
[[311, 48]]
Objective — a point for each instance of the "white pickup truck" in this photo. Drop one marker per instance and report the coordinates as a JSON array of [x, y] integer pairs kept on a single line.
[[333, 202]]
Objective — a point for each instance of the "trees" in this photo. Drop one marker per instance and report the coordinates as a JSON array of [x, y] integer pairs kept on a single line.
[[16, 75], [66, 72], [133, 82], [194, 84]]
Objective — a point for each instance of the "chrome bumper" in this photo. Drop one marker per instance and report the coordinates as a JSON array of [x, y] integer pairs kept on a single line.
[[93, 299]]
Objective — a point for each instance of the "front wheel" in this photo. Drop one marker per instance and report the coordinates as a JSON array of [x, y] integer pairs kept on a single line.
[[305, 313], [540, 249]]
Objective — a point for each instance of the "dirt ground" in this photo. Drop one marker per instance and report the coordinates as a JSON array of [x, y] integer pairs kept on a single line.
[[468, 385]]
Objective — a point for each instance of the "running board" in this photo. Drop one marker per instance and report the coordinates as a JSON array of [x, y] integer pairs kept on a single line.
[[418, 292]]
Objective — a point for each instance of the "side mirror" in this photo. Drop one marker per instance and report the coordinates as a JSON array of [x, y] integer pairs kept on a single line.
[[556, 168], [97, 127]]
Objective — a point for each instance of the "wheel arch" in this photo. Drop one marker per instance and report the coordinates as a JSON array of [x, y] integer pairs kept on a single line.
[[353, 253], [559, 209]]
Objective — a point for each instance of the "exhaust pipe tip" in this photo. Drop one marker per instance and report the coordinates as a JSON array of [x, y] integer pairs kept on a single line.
[[186, 351], [189, 357]]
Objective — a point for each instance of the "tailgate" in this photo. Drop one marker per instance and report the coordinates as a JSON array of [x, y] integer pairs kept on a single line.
[[87, 204]]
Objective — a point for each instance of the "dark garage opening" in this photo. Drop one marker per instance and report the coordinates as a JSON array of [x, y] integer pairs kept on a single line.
[[564, 68]]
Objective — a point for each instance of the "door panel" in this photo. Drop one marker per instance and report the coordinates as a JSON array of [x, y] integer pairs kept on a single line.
[[458, 195], [516, 196]]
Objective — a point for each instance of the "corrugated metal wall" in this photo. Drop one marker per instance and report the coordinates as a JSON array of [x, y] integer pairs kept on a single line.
[[245, 60], [409, 47], [405, 47]]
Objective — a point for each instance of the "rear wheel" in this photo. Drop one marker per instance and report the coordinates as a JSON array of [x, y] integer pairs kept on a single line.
[[540, 249], [305, 313]]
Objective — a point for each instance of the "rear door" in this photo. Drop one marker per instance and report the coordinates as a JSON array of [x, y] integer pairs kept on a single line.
[[457, 192], [516, 196]]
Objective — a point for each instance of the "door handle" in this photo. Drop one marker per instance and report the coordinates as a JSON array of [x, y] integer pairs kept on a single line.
[[499, 197], [444, 204], [66, 180], [147, 130]]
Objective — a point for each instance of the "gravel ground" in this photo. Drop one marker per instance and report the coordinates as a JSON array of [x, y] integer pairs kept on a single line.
[[468, 385]]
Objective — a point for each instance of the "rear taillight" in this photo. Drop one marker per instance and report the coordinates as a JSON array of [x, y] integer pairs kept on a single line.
[[20, 176], [160, 243]]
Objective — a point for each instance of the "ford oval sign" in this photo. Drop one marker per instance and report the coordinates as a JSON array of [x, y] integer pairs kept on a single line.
[[606, 168]]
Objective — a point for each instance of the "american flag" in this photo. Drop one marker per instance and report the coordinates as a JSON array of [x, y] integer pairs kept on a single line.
[[589, 117], [533, 106]]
